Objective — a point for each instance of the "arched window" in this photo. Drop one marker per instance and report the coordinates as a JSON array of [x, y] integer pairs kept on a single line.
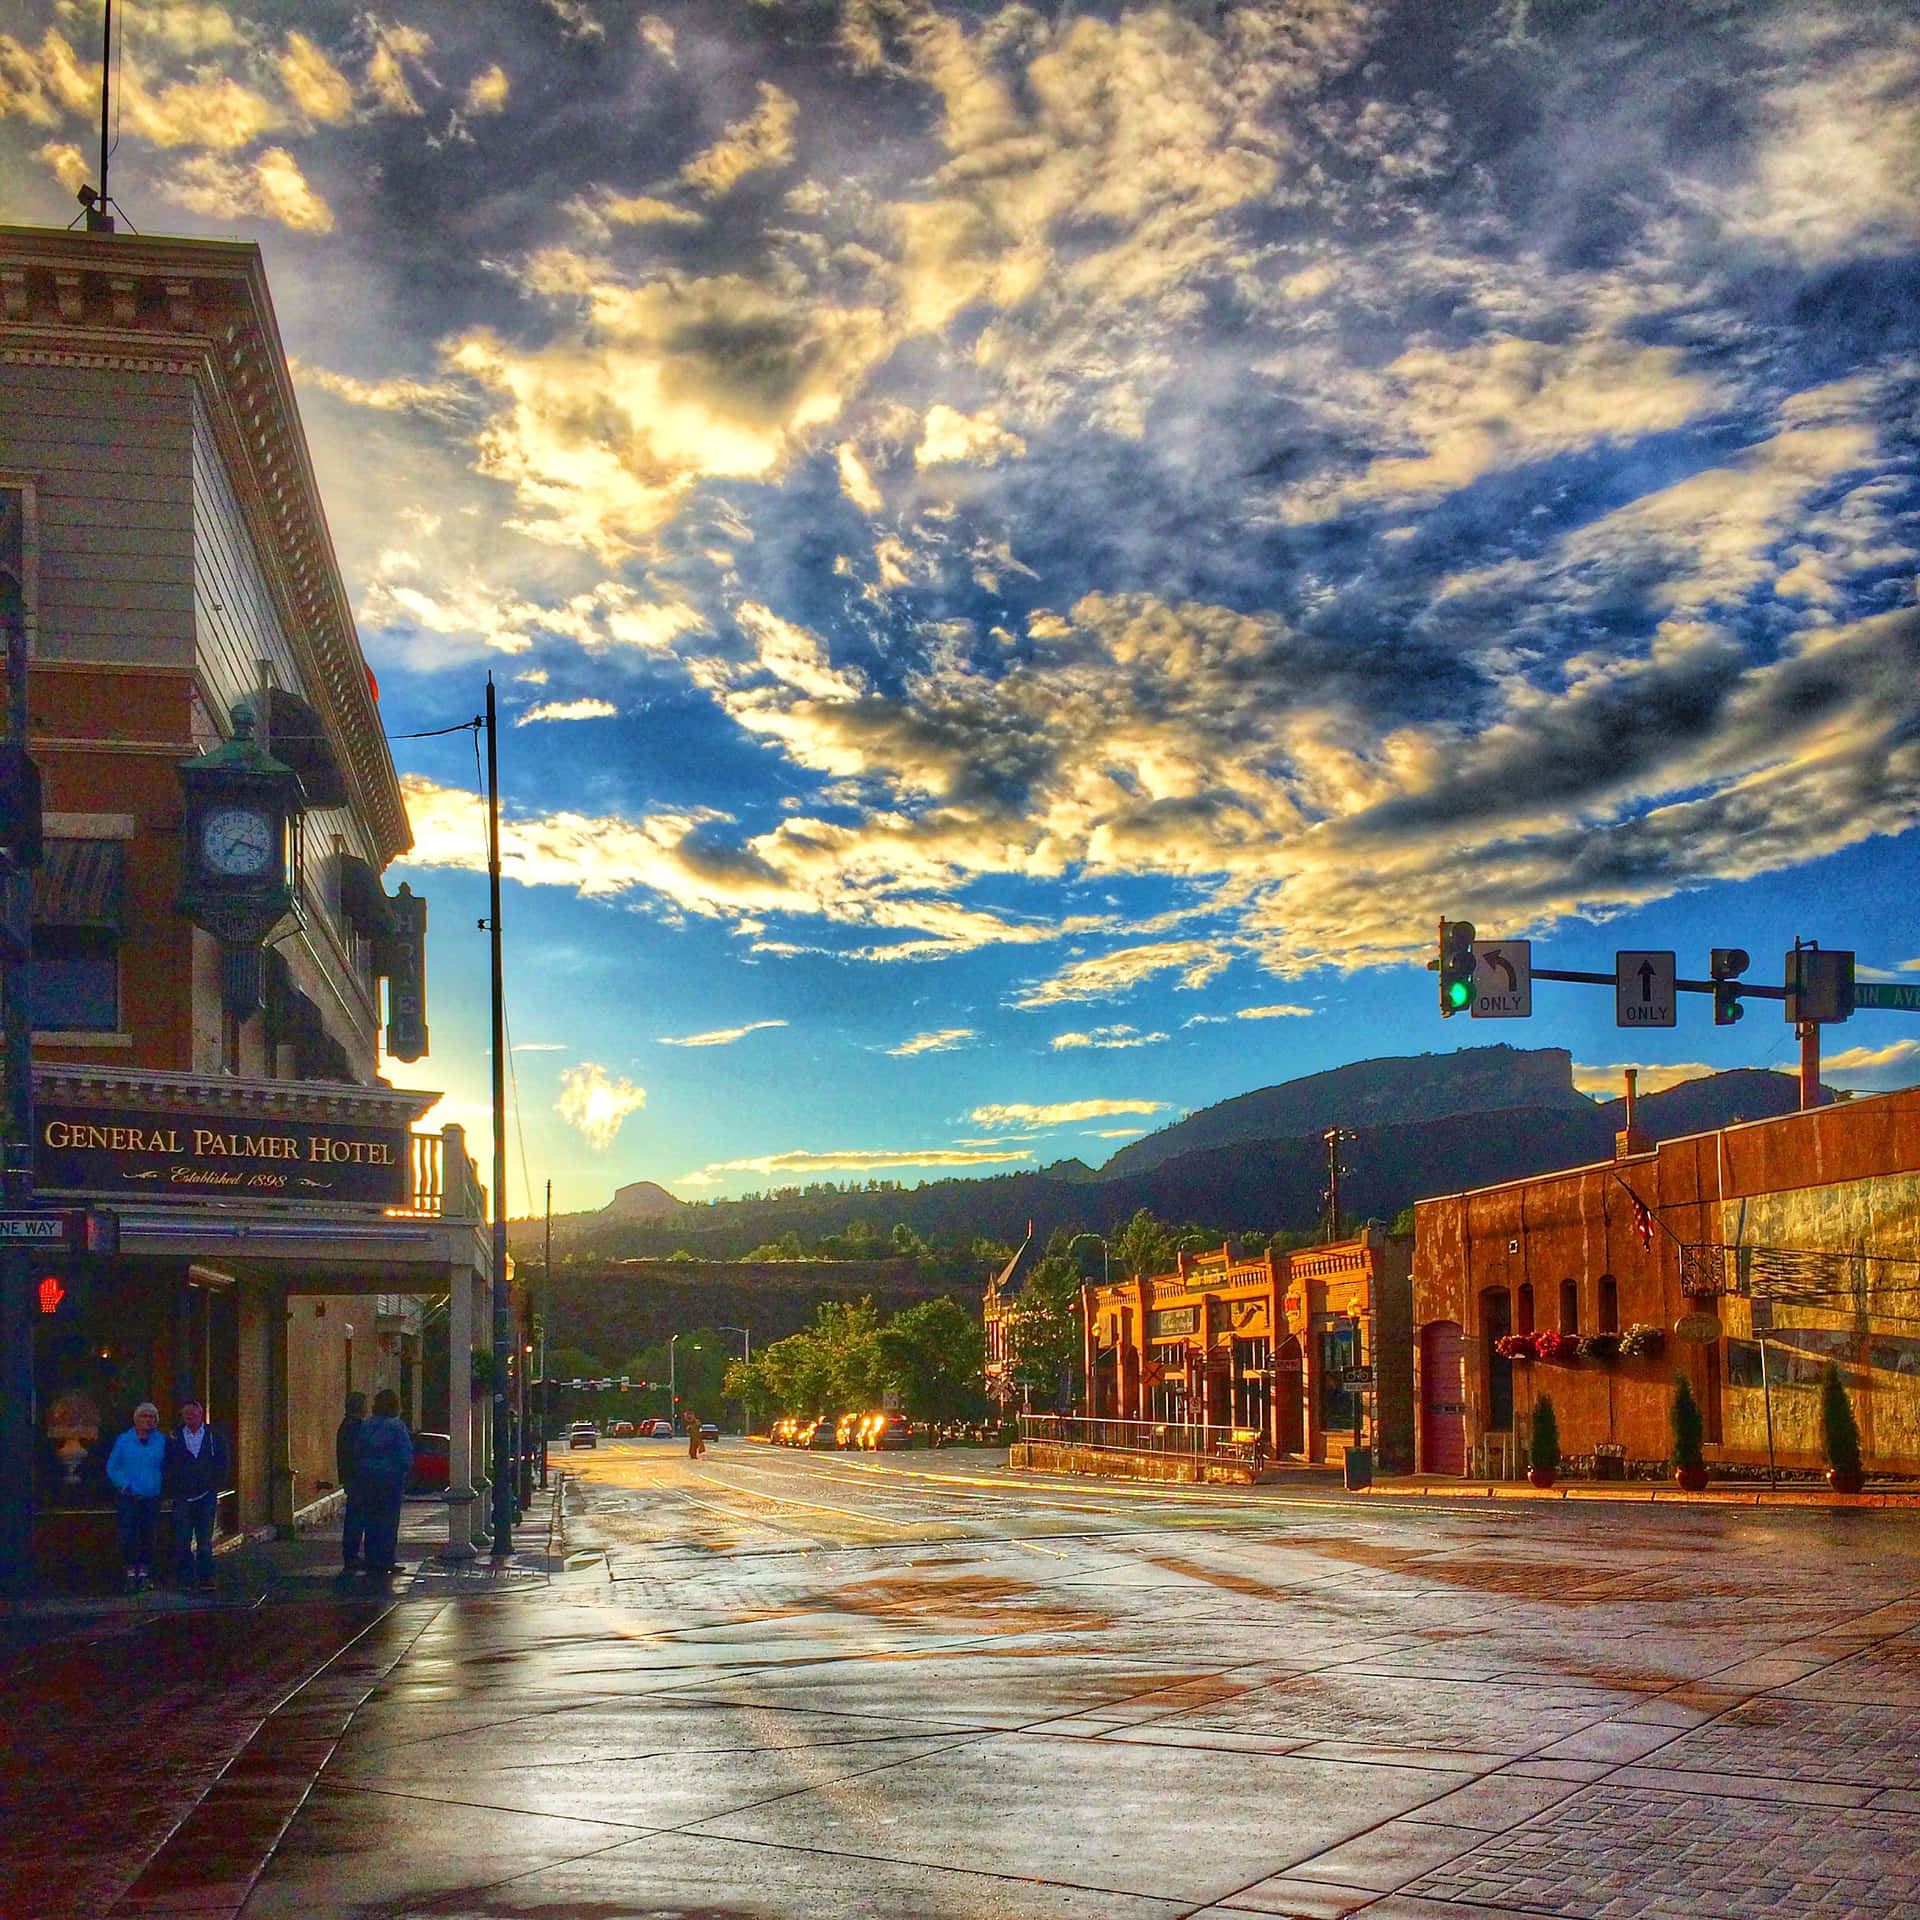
[[1525, 1308], [1609, 1304], [1569, 1306]]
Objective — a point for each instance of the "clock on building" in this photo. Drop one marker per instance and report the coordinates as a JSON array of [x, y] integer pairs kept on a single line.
[[242, 807]]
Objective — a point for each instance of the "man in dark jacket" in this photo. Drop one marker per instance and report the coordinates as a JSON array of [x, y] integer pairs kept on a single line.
[[386, 1459], [197, 1470], [346, 1475]]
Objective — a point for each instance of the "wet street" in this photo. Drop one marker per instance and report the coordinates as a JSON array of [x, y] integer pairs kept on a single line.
[[772, 1684]]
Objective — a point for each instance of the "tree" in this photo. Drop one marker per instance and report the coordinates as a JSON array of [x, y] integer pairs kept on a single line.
[[1689, 1428], [934, 1356], [1544, 1452], [1143, 1245], [1043, 1331]]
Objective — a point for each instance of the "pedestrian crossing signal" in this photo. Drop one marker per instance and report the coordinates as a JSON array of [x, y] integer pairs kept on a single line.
[[52, 1292]]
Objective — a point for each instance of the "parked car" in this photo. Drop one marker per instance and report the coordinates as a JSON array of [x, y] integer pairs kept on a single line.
[[821, 1435], [583, 1433], [620, 1430], [782, 1431], [430, 1470], [879, 1430], [846, 1430], [708, 1431], [656, 1429]]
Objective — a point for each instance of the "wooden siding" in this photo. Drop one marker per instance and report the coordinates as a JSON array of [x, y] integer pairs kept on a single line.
[[107, 453]]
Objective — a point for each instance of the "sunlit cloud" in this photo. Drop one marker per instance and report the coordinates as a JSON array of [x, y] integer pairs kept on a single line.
[[854, 1160], [1110, 974], [1610, 1083], [596, 1102], [944, 1040], [1059, 1113], [1874, 1069], [1279, 1010], [1105, 1038], [583, 709], [720, 1036]]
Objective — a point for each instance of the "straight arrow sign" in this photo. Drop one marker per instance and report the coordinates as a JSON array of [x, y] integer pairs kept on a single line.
[[1643, 989]]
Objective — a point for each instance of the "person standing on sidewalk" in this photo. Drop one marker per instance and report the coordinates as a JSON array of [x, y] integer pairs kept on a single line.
[[696, 1440], [346, 1469], [196, 1475], [386, 1459], [135, 1469]]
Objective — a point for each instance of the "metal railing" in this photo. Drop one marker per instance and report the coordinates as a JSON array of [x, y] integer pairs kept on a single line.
[[1196, 1440]]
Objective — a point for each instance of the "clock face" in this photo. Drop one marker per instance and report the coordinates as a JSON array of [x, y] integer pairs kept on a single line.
[[237, 841]]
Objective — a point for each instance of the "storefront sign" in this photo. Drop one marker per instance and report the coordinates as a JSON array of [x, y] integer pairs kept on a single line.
[[186, 1156], [1167, 1323], [1701, 1329]]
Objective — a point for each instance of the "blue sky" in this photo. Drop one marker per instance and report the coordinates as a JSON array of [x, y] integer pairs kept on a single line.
[[1030, 552]]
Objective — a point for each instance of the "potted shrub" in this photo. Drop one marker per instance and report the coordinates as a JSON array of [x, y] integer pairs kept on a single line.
[[1515, 1346], [1563, 1349], [1643, 1342], [1543, 1453], [1603, 1347], [1689, 1429], [1839, 1434]]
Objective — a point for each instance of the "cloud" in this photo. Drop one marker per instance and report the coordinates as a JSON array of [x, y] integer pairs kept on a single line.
[[539, 1046], [1110, 974], [856, 481], [960, 439], [398, 395], [852, 1160], [1279, 1010], [394, 47], [1060, 1113], [1105, 1037], [487, 92], [1610, 1083], [270, 186], [720, 1036], [597, 1103], [757, 144], [584, 709], [943, 1041], [314, 84], [1874, 1069]]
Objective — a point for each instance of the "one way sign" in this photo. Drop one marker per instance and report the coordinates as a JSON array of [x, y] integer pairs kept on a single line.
[[1643, 991], [1502, 979]]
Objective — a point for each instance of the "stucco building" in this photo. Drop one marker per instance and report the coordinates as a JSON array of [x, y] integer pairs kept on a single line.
[[282, 1219], [1744, 1259]]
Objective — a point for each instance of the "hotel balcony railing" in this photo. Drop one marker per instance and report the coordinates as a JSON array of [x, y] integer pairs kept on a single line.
[[1196, 1440], [443, 1180]]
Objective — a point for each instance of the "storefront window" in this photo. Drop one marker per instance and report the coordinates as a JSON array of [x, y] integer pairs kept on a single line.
[[1339, 1350], [76, 980]]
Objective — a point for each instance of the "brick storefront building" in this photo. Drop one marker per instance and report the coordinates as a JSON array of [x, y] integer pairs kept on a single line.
[[1261, 1343], [1744, 1259]]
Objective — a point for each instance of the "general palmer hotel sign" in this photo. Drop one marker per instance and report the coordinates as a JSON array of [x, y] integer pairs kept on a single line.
[[187, 1155]]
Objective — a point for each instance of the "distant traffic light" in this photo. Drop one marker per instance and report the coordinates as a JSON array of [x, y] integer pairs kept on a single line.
[[1456, 967], [1819, 984], [1727, 964]]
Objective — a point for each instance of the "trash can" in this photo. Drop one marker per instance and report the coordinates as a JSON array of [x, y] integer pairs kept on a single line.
[[1359, 1468]]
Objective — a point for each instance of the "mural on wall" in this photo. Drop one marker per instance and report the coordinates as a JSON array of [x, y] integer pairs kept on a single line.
[[1840, 1267]]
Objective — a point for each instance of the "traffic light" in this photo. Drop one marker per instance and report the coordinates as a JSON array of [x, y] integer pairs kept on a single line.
[[1455, 967], [1727, 964], [1819, 984]]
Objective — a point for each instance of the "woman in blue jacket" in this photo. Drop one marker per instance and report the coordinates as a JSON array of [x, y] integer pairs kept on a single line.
[[385, 1459], [135, 1469]]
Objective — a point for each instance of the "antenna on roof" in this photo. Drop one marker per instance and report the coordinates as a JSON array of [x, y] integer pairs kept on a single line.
[[96, 201]]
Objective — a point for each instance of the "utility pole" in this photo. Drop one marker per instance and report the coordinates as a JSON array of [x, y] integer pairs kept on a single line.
[[504, 1475], [1335, 1137], [16, 1120], [546, 1314]]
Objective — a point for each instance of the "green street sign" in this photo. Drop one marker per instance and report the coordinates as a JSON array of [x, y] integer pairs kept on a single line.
[[1889, 999]]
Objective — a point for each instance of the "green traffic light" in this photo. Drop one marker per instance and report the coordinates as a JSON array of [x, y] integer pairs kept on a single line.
[[1459, 993]]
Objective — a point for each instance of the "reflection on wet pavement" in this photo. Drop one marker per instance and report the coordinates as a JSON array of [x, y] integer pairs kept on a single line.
[[776, 1685]]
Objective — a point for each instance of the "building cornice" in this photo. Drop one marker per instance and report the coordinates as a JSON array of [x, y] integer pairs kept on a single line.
[[154, 1090], [201, 309]]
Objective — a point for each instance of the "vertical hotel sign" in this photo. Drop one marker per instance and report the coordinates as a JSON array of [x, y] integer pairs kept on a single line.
[[186, 1156]]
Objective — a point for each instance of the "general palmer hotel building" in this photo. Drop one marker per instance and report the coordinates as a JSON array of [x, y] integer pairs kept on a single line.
[[216, 959]]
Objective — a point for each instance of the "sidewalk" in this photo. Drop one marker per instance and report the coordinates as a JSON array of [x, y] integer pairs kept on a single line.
[[167, 1729], [1732, 1493]]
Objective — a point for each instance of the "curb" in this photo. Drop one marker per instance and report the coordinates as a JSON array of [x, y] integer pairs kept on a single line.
[[1663, 1496]]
